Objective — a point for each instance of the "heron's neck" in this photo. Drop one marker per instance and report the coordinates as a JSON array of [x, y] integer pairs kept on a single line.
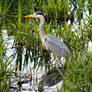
[[41, 28]]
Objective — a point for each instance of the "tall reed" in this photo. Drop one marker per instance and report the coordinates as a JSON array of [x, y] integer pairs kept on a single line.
[[19, 14], [0, 7], [6, 68]]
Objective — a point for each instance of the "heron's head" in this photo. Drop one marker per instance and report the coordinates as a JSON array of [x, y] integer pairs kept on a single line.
[[36, 15]]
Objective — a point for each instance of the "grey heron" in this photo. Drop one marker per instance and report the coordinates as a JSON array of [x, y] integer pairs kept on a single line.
[[52, 43]]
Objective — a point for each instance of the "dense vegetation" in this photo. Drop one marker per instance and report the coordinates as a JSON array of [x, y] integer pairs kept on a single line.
[[70, 20]]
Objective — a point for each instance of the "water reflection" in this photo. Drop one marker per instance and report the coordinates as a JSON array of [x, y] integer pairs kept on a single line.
[[37, 60], [22, 55]]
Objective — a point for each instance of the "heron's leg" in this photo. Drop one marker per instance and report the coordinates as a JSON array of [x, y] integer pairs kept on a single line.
[[30, 74], [51, 58], [55, 60]]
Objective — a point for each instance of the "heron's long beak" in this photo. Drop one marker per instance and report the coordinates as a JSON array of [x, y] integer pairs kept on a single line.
[[32, 15]]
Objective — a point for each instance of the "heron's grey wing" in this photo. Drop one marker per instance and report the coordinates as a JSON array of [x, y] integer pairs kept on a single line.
[[56, 46]]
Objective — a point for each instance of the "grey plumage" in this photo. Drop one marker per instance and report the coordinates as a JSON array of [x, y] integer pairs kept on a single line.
[[56, 46]]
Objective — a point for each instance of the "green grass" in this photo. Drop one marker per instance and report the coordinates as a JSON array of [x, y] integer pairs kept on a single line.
[[6, 68], [78, 76], [25, 31]]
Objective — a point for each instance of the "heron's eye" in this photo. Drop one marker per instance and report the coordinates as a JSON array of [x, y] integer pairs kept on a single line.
[[45, 39]]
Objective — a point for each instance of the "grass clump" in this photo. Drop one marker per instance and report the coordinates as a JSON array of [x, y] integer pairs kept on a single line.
[[78, 76]]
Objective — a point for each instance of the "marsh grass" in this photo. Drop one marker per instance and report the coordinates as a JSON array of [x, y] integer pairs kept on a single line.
[[6, 68], [26, 35], [78, 76], [19, 14]]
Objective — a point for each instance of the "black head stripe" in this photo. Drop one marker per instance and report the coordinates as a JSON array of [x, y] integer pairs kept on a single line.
[[39, 13]]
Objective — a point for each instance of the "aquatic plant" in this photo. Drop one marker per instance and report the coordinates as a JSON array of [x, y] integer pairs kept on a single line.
[[69, 20], [6, 68]]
